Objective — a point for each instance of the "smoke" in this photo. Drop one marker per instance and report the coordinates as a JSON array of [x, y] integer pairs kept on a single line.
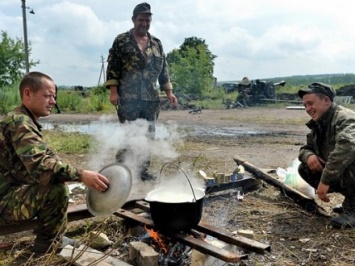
[[140, 146]]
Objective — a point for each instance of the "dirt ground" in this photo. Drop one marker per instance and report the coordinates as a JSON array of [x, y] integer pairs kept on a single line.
[[267, 138]]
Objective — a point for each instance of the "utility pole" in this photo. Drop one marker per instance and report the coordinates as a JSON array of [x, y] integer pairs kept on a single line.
[[24, 19], [27, 63], [102, 72]]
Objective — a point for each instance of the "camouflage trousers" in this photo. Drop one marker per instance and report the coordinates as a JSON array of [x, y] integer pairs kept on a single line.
[[47, 203], [344, 186], [133, 110]]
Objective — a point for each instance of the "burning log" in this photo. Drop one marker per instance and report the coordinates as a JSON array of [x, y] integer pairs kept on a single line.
[[299, 198]]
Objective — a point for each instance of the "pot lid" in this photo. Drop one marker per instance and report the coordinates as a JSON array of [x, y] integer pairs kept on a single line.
[[105, 203]]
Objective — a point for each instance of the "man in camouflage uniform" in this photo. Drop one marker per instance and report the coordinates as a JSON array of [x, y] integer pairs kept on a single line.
[[244, 92], [32, 176], [136, 62], [328, 158]]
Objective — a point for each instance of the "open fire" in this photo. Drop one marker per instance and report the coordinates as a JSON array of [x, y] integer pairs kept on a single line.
[[170, 252], [176, 248]]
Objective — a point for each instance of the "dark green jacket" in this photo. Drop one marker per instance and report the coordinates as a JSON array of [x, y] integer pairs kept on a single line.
[[25, 158], [333, 139], [136, 76]]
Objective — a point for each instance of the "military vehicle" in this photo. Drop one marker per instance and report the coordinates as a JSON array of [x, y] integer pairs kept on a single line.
[[252, 92]]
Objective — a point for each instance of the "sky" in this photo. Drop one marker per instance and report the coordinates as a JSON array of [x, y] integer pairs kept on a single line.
[[254, 38]]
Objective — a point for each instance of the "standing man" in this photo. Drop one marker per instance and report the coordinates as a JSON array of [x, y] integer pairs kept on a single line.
[[32, 177], [328, 158], [136, 62]]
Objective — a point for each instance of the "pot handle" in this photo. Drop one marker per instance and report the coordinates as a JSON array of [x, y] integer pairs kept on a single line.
[[188, 180]]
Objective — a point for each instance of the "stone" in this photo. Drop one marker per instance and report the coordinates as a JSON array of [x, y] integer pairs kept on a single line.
[[85, 256], [201, 259], [99, 240], [141, 254], [246, 233]]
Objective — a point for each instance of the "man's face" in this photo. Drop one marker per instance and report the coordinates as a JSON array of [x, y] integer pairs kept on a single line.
[[142, 24], [41, 102], [315, 105]]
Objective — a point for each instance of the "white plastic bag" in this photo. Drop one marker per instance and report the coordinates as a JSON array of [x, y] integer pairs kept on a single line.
[[291, 178]]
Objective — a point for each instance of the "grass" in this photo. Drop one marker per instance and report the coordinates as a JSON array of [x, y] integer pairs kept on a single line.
[[70, 142]]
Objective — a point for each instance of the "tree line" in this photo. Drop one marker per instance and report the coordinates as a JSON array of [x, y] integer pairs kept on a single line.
[[191, 67]]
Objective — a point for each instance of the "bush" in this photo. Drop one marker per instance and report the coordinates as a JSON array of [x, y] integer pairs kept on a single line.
[[9, 98]]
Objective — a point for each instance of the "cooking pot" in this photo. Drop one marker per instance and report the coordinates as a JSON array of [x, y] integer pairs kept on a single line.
[[105, 203], [174, 211]]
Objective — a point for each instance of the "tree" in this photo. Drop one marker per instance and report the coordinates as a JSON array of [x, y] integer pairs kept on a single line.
[[12, 59], [191, 66]]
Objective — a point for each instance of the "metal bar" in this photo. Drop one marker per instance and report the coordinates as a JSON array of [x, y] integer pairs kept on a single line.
[[299, 198], [221, 234], [143, 205], [133, 217], [210, 249], [195, 243], [247, 184], [240, 241], [75, 213]]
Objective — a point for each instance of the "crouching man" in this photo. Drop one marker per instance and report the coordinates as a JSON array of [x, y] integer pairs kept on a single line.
[[328, 158], [32, 177]]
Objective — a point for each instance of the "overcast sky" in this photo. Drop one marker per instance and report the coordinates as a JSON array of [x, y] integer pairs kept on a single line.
[[254, 38]]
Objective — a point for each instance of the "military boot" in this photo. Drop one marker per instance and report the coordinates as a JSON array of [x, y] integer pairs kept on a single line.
[[347, 218], [47, 245], [120, 155], [145, 175]]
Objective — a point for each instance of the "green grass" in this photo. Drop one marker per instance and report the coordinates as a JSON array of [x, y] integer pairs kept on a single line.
[[70, 142]]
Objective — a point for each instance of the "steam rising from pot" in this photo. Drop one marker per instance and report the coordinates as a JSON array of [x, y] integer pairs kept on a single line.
[[134, 137]]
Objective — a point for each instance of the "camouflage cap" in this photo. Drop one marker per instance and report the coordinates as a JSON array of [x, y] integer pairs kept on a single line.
[[318, 87], [142, 8]]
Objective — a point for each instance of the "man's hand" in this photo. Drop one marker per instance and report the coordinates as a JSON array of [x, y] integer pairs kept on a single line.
[[114, 97], [172, 98], [322, 192], [94, 180], [315, 163]]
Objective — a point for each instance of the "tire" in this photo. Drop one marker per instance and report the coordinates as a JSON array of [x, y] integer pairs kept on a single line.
[[269, 90]]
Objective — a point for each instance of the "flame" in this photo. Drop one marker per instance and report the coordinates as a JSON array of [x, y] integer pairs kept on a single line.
[[155, 235]]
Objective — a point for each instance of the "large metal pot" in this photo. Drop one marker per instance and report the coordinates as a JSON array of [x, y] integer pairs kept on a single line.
[[175, 212]]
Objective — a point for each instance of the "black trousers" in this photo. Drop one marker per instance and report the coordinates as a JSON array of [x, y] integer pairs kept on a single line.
[[137, 109]]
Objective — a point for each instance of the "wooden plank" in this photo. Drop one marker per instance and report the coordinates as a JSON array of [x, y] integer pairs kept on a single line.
[[343, 99], [295, 107]]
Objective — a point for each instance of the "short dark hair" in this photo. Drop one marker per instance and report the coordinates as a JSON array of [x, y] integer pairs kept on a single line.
[[33, 80]]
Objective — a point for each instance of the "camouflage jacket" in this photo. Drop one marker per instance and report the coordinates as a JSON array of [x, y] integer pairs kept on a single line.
[[333, 139], [25, 157], [136, 76]]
